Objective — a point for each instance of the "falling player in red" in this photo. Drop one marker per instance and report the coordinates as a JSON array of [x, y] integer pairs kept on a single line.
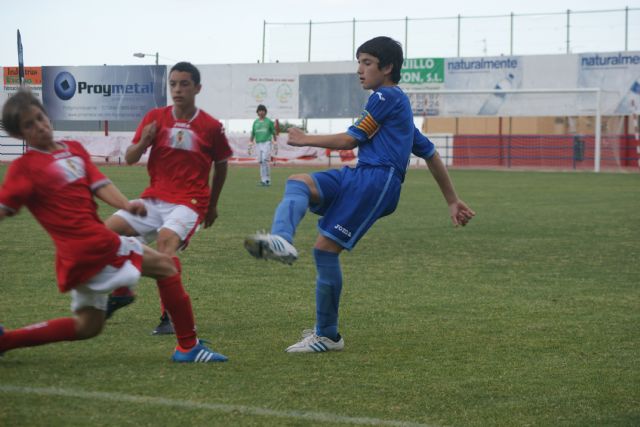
[[184, 143], [57, 181]]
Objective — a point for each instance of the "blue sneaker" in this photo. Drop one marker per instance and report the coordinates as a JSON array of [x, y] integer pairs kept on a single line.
[[200, 353]]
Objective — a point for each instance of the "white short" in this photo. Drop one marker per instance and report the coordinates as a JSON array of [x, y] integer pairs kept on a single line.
[[178, 218], [95, 292], [263, 151]]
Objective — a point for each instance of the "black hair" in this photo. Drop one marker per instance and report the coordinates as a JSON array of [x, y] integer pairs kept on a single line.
[[15, 106], [261, 108], [388, 51], [188, 67]]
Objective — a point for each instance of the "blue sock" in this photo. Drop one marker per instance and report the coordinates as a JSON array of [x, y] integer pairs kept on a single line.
[[291, 209], [328, 289]]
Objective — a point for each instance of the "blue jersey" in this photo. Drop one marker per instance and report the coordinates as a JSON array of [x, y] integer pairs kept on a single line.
[[386, 134]]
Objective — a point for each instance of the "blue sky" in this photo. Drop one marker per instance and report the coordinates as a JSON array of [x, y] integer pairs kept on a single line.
[[80, 32]]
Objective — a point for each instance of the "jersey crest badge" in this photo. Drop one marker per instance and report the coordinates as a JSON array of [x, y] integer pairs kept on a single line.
[[181, 139], [72, 168]]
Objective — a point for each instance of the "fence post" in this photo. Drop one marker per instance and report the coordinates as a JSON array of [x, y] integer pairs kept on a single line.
[[264, 33], [511, 36], [568, 30], [406, 36], [353, 38], [459, 17], [626, 28], [309, 56]]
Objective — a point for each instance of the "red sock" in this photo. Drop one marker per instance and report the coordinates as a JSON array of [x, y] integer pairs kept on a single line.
[[176, 261], [54, 330], [177, 302], [122, 292]]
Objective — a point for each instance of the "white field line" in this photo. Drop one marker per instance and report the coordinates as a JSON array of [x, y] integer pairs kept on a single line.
[[216, 407]]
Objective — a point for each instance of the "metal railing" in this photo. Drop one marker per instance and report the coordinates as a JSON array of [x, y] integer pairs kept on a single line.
[[10, 148]]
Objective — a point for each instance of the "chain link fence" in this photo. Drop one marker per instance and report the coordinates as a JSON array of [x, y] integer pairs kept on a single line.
[[458, 36]]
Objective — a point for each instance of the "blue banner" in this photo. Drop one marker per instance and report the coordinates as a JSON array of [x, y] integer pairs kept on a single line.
[[103, 93]]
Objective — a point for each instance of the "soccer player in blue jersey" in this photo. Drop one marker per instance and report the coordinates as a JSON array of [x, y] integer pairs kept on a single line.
[[350, 200]]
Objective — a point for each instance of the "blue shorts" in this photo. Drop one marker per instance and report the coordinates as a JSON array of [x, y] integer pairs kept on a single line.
[[352, 199]]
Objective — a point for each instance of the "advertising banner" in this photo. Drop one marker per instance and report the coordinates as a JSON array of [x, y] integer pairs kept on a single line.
[[503, 72], [618, 75], [11, 82], [32, 76], [276, 88], [423, 73], [103, 93]]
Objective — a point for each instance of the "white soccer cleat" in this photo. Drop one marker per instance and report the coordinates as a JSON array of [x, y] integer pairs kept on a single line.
[[270, 246], [313, 343]]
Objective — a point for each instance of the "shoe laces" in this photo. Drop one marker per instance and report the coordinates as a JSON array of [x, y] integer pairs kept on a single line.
[[311, 339]]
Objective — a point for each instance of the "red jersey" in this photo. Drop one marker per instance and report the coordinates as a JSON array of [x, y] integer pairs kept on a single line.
[[58, 190], [181, 156]]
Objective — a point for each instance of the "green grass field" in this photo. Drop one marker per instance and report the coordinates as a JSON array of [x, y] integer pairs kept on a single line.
[[528, 316]]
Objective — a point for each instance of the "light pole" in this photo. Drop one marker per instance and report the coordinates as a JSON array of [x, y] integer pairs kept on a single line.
[[142, 55]]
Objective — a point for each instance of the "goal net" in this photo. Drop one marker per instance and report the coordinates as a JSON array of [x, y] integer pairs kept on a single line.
[[537, 128]]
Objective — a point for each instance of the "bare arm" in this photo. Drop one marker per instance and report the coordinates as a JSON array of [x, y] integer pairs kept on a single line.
[[217, 182], [111, 195], [135, 151], [338, 141], [460, 213]]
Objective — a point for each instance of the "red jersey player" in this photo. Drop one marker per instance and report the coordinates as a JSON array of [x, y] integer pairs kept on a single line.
[[184, 142], [56, 181]]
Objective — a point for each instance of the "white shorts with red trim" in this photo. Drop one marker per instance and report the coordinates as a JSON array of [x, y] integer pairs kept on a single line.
[[160, 214], [125, 271]]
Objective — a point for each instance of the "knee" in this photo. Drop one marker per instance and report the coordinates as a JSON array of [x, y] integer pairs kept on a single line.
[[303, 177], [307, 180], [166, 266], [168, 242]]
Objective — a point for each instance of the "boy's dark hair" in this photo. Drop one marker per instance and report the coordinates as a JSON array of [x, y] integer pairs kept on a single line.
[[388, 51], [188, 67], [261, 108], [15, 107]]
